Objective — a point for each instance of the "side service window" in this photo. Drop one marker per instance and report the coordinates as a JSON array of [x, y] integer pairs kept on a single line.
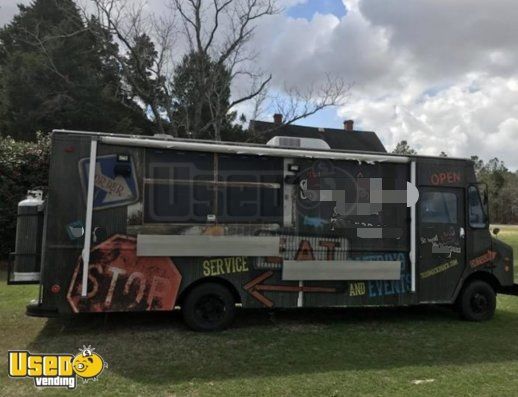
[[249, 189], [178, 187], [195, 187], [477, 215], [438, 207]]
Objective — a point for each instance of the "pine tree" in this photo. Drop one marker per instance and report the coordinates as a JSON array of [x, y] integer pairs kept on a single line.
[[403, 147], [201, 89], [59, 71]]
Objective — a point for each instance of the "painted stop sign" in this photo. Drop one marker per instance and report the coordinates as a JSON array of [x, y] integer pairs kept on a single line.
[[118, 280]]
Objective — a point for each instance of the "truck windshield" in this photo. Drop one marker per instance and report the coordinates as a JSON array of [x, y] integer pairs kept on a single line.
[[477, 213]]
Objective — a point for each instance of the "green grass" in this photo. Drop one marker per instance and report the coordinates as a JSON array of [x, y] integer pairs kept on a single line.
[[509, 234], [322, 352]]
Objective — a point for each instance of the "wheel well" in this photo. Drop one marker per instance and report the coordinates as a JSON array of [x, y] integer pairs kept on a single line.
[[483, 276], [218, 280]]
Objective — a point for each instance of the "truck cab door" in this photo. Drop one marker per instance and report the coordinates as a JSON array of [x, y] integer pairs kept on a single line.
[[441, 243]]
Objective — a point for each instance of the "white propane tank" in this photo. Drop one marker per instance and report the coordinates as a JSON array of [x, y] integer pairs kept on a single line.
[[29, 230]]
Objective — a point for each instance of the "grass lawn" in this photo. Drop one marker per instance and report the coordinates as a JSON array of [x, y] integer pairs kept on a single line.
[[404, 351]]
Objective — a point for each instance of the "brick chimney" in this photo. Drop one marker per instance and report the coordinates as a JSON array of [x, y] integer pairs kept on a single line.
[[277, 118], [349, 125]]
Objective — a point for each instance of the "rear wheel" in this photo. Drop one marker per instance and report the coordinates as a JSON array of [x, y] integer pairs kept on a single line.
[[209, 307], [477, 301]]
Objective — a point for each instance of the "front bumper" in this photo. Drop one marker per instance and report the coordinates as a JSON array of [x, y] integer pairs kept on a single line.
[[509, 290]]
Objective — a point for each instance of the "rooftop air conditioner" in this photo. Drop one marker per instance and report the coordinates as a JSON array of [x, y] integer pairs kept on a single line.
[[298, 143]]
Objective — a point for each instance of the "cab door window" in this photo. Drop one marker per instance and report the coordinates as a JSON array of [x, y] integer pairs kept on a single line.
[[438, 207]]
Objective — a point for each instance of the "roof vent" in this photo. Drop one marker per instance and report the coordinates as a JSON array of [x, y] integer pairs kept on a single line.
[[298, 143]]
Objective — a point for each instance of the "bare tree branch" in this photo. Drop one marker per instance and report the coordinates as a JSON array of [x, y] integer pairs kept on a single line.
[[129, 25], [332, 92], [296, 104], [219, 31]]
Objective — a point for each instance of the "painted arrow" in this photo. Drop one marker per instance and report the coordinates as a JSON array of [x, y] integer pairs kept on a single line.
[[253, 287]]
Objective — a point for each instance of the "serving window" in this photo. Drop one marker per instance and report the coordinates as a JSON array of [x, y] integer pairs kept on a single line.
[[193, 187]]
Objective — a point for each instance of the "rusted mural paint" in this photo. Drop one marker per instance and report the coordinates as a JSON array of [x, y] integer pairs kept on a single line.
[[300, 248], [256, 288], [295, 247], [118, 280], [487, 257]]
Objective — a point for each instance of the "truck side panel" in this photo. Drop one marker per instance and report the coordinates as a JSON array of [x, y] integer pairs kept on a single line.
[[336, 210]]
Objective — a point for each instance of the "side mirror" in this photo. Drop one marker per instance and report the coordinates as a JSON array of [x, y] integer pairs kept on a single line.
[[496, 230]]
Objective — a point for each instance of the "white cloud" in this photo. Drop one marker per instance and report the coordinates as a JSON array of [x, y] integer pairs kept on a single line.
[[448, 38], [8, 8], [478, 115], [441, 74]]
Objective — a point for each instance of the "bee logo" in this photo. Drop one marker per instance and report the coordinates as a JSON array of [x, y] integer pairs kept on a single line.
[[87, 364]]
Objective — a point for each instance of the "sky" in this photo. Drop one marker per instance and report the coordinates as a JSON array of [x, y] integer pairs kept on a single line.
[[440, 74]]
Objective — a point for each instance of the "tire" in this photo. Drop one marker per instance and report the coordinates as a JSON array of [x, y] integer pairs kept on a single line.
[[477, 301], [209, 307]]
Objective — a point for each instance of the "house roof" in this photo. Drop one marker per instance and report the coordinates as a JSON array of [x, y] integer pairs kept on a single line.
[[337, 139]]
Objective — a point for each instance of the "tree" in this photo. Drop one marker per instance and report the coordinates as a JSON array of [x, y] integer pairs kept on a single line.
[[56, 73], [478, 164], [218, 35], [190, 113], [403, 147], [219, 55], [141, 84], [23, 166], [502, 187], [496, 176]]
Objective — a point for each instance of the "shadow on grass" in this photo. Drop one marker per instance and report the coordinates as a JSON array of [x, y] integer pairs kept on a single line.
[[158, 348]]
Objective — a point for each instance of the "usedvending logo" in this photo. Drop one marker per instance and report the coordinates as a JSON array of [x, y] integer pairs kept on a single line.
[[56, 370]]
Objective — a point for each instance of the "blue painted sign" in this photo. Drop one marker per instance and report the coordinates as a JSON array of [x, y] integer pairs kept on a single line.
[[112, 188]]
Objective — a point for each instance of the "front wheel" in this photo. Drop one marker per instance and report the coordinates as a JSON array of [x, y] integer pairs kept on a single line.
[[209, 307], [477, 301]]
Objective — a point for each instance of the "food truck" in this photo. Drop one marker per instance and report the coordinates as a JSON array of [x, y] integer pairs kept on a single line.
[[140, 223]]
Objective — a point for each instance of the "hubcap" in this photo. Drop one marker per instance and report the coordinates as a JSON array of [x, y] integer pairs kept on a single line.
[[479, 303], [210, 309]]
